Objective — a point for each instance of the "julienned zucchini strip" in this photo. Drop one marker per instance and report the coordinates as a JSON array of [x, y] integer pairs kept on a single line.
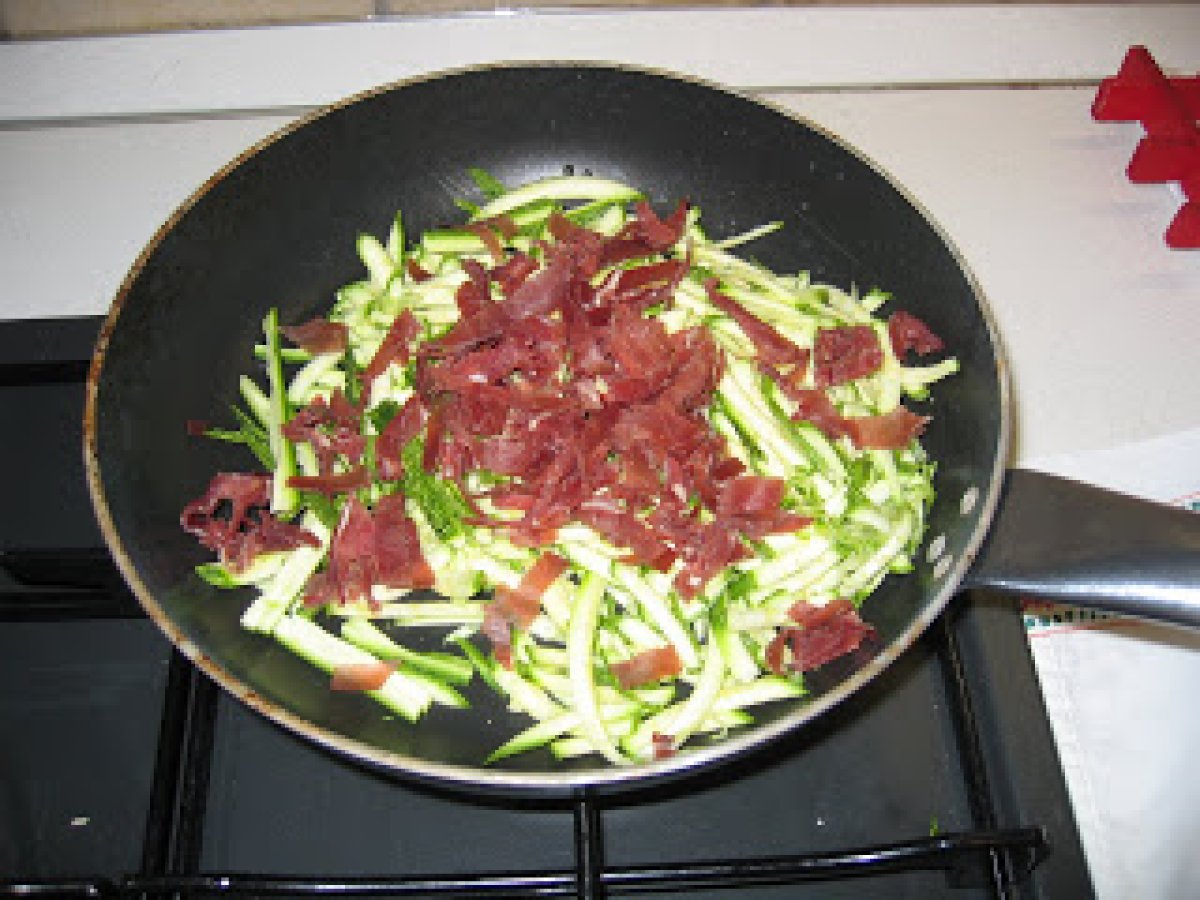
[[869, 507]]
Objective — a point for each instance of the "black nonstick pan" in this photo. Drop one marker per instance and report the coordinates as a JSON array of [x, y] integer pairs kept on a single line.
[[277, 227]]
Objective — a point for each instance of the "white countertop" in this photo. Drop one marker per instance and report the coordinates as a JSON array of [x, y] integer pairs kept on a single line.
[[982, 112]]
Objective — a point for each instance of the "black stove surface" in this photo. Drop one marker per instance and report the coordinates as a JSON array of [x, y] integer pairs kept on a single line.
[[124, 771]]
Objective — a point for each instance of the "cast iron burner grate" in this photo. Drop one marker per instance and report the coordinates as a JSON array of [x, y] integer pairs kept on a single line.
[[988, 858]]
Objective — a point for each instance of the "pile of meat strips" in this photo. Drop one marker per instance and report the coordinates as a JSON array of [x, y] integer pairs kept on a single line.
[[588, 409]]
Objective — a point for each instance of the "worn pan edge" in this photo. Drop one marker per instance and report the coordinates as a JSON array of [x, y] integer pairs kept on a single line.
[[561, 782]]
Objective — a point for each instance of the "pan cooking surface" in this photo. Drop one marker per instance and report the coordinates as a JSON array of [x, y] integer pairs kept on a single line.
[[277, 228]]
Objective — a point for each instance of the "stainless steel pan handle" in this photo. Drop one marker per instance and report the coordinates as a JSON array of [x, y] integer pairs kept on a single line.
[[1061, 539]]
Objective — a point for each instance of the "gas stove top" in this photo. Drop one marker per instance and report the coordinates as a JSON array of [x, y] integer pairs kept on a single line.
[[125, 771]]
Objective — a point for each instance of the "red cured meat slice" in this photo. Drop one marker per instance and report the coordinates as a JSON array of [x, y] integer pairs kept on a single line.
[[643, 286], [498, 630], [369, 676], [890, 431], [394, 348], [509, 455], [373, 547], [320, 590], [518, 607], [626, 530], [512, 274], [647, 667], [331, 427], [772, 347], [343, 482], [658, 234], [640, 346], [845, 353], [403, 427], [415, 272], [695, 378], [907, 332], [542, 293], [523, 603], [351, 554], [487, 324], [435, 430], [664, 429], [620, 249], [824, 634], [472, 295], [815, 406], [242, 490], [491, 239], [399, 562], [645, 235], [232, 518], [719, 545], [581, 248], [751, 504], [753, 496], [663, 745], [317, 335], [727, 468], [667, 272], [637, 473], [482, 365]]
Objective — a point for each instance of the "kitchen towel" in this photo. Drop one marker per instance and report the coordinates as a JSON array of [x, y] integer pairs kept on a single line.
[[1121, 696]]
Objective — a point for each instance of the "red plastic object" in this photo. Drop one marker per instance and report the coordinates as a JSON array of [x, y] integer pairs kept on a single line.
[[1168, 109]]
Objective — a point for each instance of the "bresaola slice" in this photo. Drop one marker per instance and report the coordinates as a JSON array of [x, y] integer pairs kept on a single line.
[[399, 560], [331, 485], [395, 348], [754, 504], [405, 425], [813, 405], [473, 294], [845, 353], [821, 635], [511, 274], [233, 519], [517, 607], [773, 348], [370, 547], [888, 431], [647, 667], [658, 235], [906, 332], [368, 676], [318, 335], [332, 427], [523, 602]]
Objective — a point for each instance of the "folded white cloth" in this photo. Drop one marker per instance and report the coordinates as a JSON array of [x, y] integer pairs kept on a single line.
[[1121, 696]]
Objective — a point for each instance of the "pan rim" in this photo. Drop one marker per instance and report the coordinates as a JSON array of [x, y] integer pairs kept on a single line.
[[543, 782]]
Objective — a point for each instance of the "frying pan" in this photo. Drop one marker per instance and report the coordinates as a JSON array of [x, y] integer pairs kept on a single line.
[[277, 227]]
